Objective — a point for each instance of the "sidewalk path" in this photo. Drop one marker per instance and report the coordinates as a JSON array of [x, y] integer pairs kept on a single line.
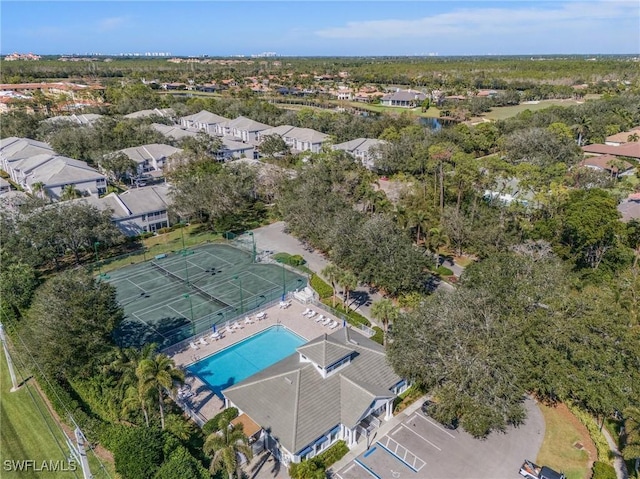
[[618, 462]]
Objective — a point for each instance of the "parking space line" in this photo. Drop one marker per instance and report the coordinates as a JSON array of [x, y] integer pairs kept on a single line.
[[371, 473], [395, 430], [413, 465], [421, 437], [435, 424]]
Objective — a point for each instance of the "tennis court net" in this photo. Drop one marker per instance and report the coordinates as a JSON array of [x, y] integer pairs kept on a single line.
[[197, 289]]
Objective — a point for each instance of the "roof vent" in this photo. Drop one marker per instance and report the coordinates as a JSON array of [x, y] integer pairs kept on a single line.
[[288, 380], [353, 341]]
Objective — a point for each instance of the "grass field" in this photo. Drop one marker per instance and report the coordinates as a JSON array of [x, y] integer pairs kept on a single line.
[[562, 431], [28, 431], [24, 430], [504, 112], [432, 112]]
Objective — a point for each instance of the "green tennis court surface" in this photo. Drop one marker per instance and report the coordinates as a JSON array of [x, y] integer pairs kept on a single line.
[[174, 296]]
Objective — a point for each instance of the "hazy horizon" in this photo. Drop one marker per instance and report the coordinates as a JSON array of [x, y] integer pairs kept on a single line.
[[322, 29]]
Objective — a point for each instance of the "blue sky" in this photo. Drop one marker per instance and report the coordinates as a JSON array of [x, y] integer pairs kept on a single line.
[[321, 28]]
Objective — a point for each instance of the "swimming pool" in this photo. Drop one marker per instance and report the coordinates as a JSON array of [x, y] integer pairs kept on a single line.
[[241, 360]]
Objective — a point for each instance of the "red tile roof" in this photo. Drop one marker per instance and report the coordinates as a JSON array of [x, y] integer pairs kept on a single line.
[[632, 150]]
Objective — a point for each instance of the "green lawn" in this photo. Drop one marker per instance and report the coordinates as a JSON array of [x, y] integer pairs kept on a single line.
[[562, 431], [24, 430], [432, 112], [28, 431], [504, 112]]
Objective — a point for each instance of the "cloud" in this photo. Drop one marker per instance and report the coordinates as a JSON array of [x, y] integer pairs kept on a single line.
[[112, 23], [467, 22]]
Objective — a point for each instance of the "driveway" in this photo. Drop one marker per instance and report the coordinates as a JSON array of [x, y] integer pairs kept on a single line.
[[419, 447], [273, 238]]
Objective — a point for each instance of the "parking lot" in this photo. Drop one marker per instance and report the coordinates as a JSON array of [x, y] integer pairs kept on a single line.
[[421, 448]]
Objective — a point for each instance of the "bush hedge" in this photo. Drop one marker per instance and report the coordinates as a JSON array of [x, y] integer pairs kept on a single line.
[[333, 454], [602, 470], [602, 446], [212, 425], [443, 271], [320, 287]]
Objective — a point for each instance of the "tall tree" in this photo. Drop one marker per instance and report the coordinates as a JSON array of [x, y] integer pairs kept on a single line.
[[349, 282], [332, 273], [160, 374], [69, 324], [224, 448], [385, 311]]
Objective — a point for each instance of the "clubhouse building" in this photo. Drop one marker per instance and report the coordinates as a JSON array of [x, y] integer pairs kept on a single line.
[[336, 386]]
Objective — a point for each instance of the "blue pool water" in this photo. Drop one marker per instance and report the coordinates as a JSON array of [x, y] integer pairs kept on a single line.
[[235, 363]]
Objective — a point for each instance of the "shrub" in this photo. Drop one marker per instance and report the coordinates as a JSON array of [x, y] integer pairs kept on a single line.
[[296, 260], [322, 288], [180, 465], [602, 470], [333, 454], [378, 337], [211, 426], [443, 271], [604, 453], [138, 452]]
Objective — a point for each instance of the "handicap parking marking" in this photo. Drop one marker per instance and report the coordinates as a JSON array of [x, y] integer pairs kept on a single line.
[[435, 424], [402, 453], [421, 437]]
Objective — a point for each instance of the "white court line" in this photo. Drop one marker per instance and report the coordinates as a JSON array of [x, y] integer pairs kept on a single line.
[[435, 424], [178, 312], [421, 437]]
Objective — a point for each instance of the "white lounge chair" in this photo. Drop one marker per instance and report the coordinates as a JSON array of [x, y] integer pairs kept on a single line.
[[306, 312], [333, 325], [237, 325], [248, 320], [311, 314], [230, 329], [215, 336], [202, 341], [327, 321], [193, 345], [320, 318]]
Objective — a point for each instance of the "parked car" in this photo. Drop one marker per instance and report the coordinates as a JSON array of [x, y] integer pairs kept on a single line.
[[529, 470], [427, 408]]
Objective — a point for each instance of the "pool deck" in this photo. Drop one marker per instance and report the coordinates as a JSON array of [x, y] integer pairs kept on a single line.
[[204, 402]]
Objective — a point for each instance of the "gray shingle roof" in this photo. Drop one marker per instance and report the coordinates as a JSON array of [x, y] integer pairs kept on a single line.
[[325, 351], [14, 148], [405, 95], [174, 132], [164, 112], [62, 171], [361, 144], [205, 116], [244, 123], [146, 199], [298, 405], [143, 153]]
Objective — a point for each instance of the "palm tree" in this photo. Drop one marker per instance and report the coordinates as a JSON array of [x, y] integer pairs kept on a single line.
[[437, 239], [69, 193], [136, 397], [418, 219], [385, 311], [224, 447], [159, 373], [582, 127], [38, 188], [349, 282], [332, 273], [633, 138]]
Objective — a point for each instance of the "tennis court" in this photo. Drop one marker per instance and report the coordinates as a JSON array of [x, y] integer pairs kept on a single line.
[[174, 296]]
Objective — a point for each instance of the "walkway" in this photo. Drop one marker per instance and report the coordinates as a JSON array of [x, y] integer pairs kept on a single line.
[[204, 402]]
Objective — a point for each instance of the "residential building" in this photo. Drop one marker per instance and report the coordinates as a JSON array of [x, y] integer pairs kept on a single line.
[[35, 166], [623, 137], [86, 119], [299, 139], [335, 387], [138, 210], [173, 131], [630, 207], [629, 150], [230, 149], [363, 149], [161, 112], [403, 98], [205, 121], [609, 164], [243, 129], [150, 157], [14, 149]]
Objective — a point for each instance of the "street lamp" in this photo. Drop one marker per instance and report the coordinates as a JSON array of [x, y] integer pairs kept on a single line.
[[221, 314], [284, 283], [193, 324], [241, 298]]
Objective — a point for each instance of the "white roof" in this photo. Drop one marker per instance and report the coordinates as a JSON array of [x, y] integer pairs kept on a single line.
[[174, 132], [13, 148], [243, 123], [359, 144], [61, 171], [143, 153], [205, 116], [164, 112]]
